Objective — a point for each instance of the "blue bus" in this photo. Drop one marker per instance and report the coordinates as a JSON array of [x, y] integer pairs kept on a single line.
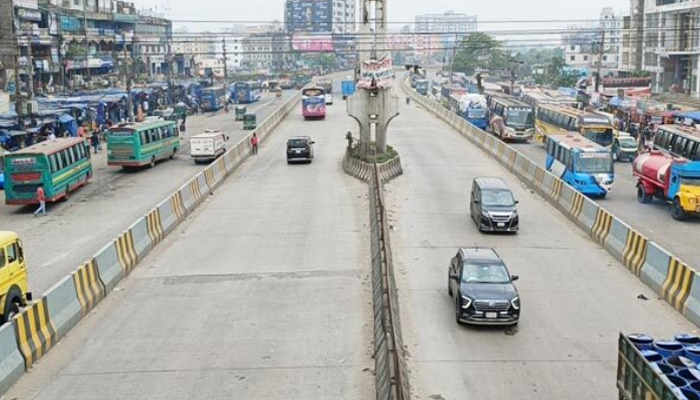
[[583, 164], [422, 87], [245, 92], [472, 107], [213, 98]]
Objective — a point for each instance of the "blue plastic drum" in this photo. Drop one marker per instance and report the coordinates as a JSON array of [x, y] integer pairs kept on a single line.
[[652, 356], [687, 339], [641, 341], [668, 348]]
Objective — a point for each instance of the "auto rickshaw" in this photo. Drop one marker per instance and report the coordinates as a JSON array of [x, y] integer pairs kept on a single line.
[[250, 121], [180, 110], [240, 113]]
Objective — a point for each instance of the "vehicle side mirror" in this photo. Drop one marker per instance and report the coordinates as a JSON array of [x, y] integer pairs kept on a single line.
[[454, 276], [228, 138], [476, 201], [313, 142], [514, 277], [517, 201]]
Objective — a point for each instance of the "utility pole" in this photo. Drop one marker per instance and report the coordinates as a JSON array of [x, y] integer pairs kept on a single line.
[[601, 50], [223, 40], [170, 71], [452, 59], [87, 44], [30, 63], [127, 73]]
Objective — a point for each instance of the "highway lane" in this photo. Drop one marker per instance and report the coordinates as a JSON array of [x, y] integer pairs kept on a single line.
[[264, 293], [653, 220], [95, 214], [576, 298]]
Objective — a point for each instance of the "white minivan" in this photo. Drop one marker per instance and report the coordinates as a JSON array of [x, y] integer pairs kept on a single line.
[[207, 146]]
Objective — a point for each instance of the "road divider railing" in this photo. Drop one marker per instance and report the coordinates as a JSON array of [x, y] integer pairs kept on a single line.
[[670, 278], [391, 370], [38, 327]]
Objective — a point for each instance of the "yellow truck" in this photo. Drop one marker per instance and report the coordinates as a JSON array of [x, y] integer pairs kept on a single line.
[[14, 290]]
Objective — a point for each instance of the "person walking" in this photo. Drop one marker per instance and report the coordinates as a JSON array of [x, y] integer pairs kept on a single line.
[[95, 141], [254, 143], [41, 196], [82, 131]]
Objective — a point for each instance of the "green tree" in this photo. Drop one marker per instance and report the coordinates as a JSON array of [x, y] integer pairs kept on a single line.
[[479, 51]]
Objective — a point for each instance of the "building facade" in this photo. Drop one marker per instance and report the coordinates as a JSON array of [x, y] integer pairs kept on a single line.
[[447, 23], [598, 42], [664, 41], [320, 16]]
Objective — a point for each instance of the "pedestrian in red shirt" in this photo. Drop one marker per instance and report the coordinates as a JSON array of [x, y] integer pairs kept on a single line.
[[254, 143], [41, 196]]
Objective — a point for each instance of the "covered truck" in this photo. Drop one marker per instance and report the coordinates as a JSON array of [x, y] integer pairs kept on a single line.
[[207, 146], [674, 180]]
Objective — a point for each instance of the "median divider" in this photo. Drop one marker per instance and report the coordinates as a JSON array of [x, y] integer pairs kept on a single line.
[[665, 274], [37, 329]]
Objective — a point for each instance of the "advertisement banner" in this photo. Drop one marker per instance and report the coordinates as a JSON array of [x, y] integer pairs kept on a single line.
[[312, 43], [380, 72], [32, 4], [29, 15]]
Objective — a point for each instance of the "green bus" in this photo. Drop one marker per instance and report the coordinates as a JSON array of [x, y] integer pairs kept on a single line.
[[59, 166], [144, 143]]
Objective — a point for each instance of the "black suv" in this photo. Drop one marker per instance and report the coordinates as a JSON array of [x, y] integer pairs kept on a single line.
[[482, 288], [492, 206], [300, 148]]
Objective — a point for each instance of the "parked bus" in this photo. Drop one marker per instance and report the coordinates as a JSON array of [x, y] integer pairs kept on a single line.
[[213, 98], [449, 90], [142, 144], [59, 166], [327, 86], [583, 164], [678, 141], [592, 126], [510, 119], [313, 103], [245, 92]]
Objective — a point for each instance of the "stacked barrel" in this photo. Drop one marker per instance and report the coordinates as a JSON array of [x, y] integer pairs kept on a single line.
[[677, 361]]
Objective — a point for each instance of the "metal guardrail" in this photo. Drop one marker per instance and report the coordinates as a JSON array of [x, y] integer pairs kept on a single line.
[[391, 372]]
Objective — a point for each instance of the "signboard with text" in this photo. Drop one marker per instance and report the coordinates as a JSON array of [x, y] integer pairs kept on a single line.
[[312, 43], [380, 72]]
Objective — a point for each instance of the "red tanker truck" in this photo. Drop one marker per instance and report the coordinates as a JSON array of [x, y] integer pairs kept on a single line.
[[674, 180]]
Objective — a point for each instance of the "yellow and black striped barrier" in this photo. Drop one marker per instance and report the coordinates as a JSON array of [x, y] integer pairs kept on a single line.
[[601, 227], [126, 252], [35, 332], [177, 206], [555, 192], [576, 205], [511, 160], [539, 176], [209, 175], [635, 252], [88, 286], [678, 284], [155, 227]]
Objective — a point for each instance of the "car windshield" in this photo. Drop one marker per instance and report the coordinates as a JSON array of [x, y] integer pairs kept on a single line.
[[484, 273], [598, 163], [520, 118], [689, 181], [628, 143], [476, 113], [297, 142], [498, 198]]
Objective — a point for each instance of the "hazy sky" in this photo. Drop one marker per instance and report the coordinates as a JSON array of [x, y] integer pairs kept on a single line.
[[399, 10]]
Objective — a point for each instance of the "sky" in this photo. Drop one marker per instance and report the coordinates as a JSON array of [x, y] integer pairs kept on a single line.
[[399, 10]]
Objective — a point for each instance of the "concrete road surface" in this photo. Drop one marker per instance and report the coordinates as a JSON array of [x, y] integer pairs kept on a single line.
[[575, 297], [263, 294], [75, 230]]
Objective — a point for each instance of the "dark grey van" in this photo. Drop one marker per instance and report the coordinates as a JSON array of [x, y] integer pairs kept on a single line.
[[492, 206]]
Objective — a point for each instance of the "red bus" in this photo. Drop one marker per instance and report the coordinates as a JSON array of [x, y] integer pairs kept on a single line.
[[313, 103]]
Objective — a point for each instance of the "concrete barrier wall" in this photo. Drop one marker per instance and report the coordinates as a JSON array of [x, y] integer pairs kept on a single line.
[[37, 329], [668, 276], [11, 360]]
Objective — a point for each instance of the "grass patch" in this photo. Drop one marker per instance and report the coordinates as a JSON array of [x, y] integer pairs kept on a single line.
[[367, 155]]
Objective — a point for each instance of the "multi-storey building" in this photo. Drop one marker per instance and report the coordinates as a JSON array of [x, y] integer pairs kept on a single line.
[[447, 23], [320, 16], [664, 41], [600, 41]]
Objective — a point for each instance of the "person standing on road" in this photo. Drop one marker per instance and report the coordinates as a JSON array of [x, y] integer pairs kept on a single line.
[[41, 196], [95, 141], [254, 143], [82, 131]]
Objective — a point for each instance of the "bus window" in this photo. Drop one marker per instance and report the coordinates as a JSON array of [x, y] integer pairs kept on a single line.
[[11, 253], [2, 257], [53, 162], [694, 151]]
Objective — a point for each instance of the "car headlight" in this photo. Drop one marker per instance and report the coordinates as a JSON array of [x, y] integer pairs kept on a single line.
[[485, 214], [692, 200], [515, 302], [466, 302]]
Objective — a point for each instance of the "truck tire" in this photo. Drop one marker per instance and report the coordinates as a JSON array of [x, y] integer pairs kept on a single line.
[[677, 211], [14, 297], [642, 196]]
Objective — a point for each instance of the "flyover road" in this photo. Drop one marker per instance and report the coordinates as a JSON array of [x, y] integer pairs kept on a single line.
[[575, 297], [97, 213], [264, 293], [653, 220]]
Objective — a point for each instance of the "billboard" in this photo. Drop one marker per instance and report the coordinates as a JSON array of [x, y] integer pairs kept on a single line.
[[380, 71], [312, 43]]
